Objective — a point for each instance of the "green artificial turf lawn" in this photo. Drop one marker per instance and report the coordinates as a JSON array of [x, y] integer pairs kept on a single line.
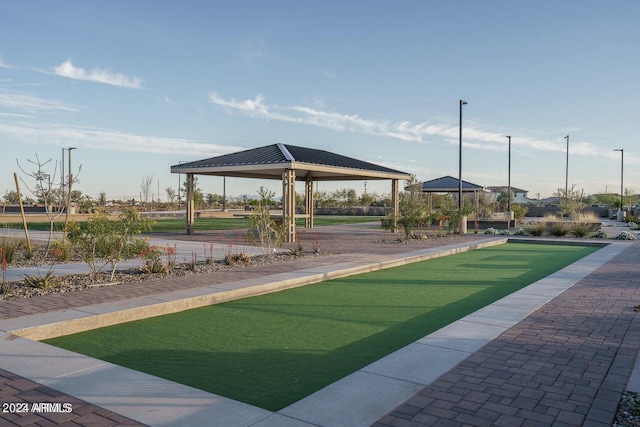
[[272, 350]]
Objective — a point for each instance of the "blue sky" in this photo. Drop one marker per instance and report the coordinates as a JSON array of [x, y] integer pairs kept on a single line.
[[138, 86]]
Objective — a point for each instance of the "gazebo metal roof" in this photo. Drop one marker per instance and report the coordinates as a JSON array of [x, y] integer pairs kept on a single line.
[[269, 161], [449, 184], [288, 163]]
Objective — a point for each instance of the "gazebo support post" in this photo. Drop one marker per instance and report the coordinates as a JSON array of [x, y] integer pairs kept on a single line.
[[289, 204], [308, 203], [190, 205], [395, 203]]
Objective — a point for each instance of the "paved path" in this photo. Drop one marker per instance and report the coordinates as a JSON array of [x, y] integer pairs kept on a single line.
[[566, 364], [563, 362]]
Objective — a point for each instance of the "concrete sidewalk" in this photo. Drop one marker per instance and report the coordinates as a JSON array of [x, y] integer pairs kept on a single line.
[[595, 296]]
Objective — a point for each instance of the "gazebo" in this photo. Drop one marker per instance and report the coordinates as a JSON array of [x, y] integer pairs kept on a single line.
[[450, 185], [288, 163]]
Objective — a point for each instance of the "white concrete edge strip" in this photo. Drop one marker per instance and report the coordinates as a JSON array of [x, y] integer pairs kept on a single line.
[[380, 386]]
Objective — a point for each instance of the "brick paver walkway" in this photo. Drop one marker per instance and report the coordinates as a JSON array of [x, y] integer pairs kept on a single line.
[[567, 364]]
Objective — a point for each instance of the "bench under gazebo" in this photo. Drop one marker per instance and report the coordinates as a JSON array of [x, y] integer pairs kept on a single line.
[[288, 163]]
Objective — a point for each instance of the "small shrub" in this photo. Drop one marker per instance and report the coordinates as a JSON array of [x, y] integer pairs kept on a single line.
[[600, 234], [46, 281], [625, 235], [262, 228], [585, 217], [632, 225], [298, 249], [62, 250], [4, 286], [505, 232], [208, 257], [537, 228], [520, 232], [105, 242], [152, 261], [10, 246], [491, 230], [580, 229], [234, 258], [557, 228]]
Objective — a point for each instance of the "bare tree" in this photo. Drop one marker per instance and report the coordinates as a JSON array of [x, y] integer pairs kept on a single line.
[[145, 187], [171, 195], [46, 189]]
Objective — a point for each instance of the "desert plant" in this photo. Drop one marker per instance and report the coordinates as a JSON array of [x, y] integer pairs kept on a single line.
[[600, 234], [234, 258], [536, 228], [62, 250], [262, 228], [41, 281], [557, 229], [413, 208], [107, 242], [5, 266], [585, 217], [571, 201], [208, 256], [152, 261], [46, 188], [625, 235], [298, 248], [520, 232], [579, 229], [316, 244], [490, 230], [9, 246], [519, 212]]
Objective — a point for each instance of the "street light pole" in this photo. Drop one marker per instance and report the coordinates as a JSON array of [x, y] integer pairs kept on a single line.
[[66, 215], [509, 179], [62, 172], [621, 150], [460, 160], [566, 176]]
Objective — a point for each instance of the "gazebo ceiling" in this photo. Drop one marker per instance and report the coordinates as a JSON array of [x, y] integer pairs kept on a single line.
[[270, 161]]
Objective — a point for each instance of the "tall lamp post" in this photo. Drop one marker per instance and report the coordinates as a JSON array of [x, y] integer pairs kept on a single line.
[[66, 215], [62, 184], [566, 176], [460, 160], [509, 178], [621, 150]]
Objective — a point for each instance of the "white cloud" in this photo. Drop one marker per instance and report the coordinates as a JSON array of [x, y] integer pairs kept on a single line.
[[307, 115], [67, 69], [473, 136], [2, 63], [30, 103], [21, 116], [108, 139]]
